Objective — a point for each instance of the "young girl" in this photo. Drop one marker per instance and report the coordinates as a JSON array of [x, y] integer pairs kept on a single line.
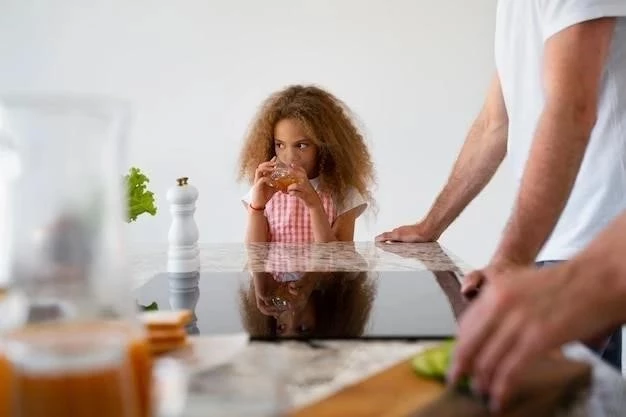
[[310, 132]]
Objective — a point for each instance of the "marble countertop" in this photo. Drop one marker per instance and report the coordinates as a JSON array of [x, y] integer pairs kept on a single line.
[[148, 260], [293, 375], [266, 379], [255, 380]]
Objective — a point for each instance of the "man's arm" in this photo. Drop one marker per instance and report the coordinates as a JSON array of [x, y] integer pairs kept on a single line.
[[481, 155], [573, 67], [603, 264], [532, 311]]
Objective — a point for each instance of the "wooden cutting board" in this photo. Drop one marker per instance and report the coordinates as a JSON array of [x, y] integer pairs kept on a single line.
[[548, 387]]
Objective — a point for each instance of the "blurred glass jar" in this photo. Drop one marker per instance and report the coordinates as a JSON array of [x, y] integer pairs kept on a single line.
[[67, 318], [65, 243]]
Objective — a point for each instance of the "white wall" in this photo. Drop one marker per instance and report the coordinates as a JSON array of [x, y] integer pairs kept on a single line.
[[415, 71]]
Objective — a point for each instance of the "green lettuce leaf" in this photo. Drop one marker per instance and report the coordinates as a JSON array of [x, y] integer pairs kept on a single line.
[[140, 199]]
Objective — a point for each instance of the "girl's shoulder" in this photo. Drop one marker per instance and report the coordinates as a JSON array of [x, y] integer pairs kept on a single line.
[[353, 199]]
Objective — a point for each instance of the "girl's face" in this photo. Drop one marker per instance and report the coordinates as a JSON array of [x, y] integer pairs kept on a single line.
[[293, 147], [298, 323]]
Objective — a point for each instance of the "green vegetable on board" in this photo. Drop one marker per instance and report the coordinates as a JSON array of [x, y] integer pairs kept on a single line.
[[434, 362]]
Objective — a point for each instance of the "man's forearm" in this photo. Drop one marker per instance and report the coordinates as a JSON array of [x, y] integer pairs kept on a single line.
[[603, 263], [550, 173], [481, 155]]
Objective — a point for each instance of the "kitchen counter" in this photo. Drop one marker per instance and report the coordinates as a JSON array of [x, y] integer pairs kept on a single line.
[[148, 260], [294, 374]]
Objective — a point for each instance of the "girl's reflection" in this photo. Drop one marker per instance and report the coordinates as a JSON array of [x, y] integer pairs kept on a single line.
[[312, 304]]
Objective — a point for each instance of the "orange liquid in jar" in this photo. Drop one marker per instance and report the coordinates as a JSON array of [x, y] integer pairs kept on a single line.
[[6, 379], [117, 388], [140, 358]]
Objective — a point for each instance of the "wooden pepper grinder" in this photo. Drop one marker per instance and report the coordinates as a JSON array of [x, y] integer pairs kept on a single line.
[[183, 260]]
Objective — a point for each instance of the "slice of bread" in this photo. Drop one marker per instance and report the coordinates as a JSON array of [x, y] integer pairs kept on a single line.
[[166, 329], [163, 319]]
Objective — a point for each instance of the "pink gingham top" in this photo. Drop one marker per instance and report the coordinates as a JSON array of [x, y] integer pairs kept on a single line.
[[289, 219]]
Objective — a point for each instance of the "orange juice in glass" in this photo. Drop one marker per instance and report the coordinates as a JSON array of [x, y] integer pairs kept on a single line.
[[282, 177]]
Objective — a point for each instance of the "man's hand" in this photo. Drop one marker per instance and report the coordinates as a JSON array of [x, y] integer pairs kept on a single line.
[[481, 155], [474, 281], [524, 315], [413, 233]]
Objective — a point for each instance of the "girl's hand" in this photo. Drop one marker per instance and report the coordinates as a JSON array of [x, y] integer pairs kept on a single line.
[[301, 290], [265, 306], [303, 189], [262, 192], [264, 286], [303, 286]]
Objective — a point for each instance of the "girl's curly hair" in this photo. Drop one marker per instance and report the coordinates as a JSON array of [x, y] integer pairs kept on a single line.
[[344, 159]]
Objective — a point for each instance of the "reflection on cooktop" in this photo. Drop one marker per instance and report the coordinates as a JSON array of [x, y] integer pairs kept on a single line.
[[316, 305]]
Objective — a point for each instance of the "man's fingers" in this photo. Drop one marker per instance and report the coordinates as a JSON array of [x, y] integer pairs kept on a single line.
[[505, 377], [383, 237], [499, 344], [406, 234], [475, 326], [533, 338], [472, 284]]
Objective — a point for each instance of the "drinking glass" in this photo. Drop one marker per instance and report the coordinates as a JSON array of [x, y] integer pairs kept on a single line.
[[282, 177]]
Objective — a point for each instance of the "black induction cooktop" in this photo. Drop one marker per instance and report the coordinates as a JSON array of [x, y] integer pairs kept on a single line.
[[314, 305]]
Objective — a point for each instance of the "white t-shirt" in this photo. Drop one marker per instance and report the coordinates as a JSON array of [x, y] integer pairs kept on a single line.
[[599, 194], [353, 199]]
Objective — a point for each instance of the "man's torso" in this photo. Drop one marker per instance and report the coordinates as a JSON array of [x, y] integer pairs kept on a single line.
[[599, 194]]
